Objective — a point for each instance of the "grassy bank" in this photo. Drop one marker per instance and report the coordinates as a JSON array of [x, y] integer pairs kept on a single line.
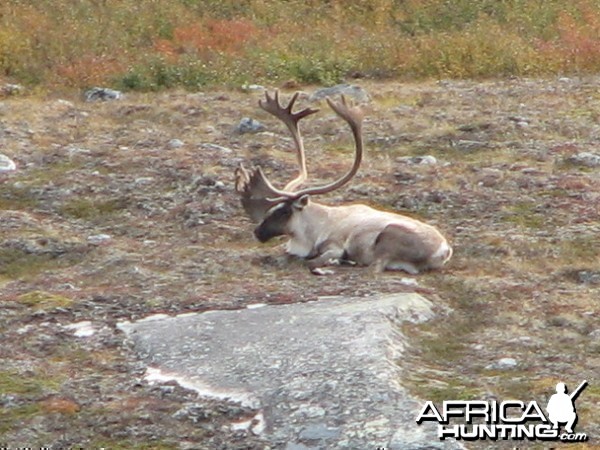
[[155, 44]]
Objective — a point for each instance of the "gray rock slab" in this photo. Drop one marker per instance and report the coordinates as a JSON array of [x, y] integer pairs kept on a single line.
[[324, 374]]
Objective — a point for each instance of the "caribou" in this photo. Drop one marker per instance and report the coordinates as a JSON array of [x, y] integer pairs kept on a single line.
[[329, 235]]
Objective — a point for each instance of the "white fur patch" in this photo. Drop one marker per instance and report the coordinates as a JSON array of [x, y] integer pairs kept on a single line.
[[443, 253], [298, 248]]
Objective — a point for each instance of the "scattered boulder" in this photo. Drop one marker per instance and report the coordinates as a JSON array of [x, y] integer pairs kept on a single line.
[[96, 94], [356, 93]]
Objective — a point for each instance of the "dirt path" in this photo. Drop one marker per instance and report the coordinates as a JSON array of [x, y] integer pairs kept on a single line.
[[109, 218]]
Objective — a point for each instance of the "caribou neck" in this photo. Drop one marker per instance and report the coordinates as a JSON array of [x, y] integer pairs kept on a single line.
[[304, 233]]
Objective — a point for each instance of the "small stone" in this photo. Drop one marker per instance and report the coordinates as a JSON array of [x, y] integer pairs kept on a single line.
[[252, 87], [194, 412], [10, 89], [98, 239], [175, 143], [215, 147], [424, 160], [356, 93], [587, 159], [408, 282], [588, 277], [503, 364], [595, 334], [248, 125], [81, 329], [64, 103], [102, 94], [7, 164]]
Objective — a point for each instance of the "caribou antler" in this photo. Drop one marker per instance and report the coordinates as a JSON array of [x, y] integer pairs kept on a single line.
[[258, 194], [290, 119], [354, 116], [253, 186]]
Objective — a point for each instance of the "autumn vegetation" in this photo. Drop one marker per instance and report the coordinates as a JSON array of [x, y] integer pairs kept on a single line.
[[157, 44]]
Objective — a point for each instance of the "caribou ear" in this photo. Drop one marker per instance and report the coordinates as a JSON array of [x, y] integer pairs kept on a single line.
[[301, 202]]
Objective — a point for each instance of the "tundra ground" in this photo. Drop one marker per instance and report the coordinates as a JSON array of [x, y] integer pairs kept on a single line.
[[123, 209]]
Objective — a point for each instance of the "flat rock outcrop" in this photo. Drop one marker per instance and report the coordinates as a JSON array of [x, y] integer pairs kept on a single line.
[[323, 374]]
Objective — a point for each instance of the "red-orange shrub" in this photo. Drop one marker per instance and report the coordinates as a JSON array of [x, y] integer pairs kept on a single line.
[[213, 36]]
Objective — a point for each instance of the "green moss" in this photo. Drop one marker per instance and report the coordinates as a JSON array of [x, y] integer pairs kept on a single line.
[[19, 264], [512, 384], [51, 173], [13, 198], [12, 382], [15, 263], [44, 300], [452, 390], [90, 209], [13, 418], [593, 391], [526, 214], [28, 388]]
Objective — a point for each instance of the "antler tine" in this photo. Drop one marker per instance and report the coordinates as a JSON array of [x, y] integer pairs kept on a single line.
[[353, 115], [285, 114], [290, 119]]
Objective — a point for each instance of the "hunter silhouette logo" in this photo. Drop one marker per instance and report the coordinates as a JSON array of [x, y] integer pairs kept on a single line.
[[561, 406], [510, 419]]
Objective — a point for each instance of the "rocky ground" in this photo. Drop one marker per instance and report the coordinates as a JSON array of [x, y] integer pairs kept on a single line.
[[126, 208]]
